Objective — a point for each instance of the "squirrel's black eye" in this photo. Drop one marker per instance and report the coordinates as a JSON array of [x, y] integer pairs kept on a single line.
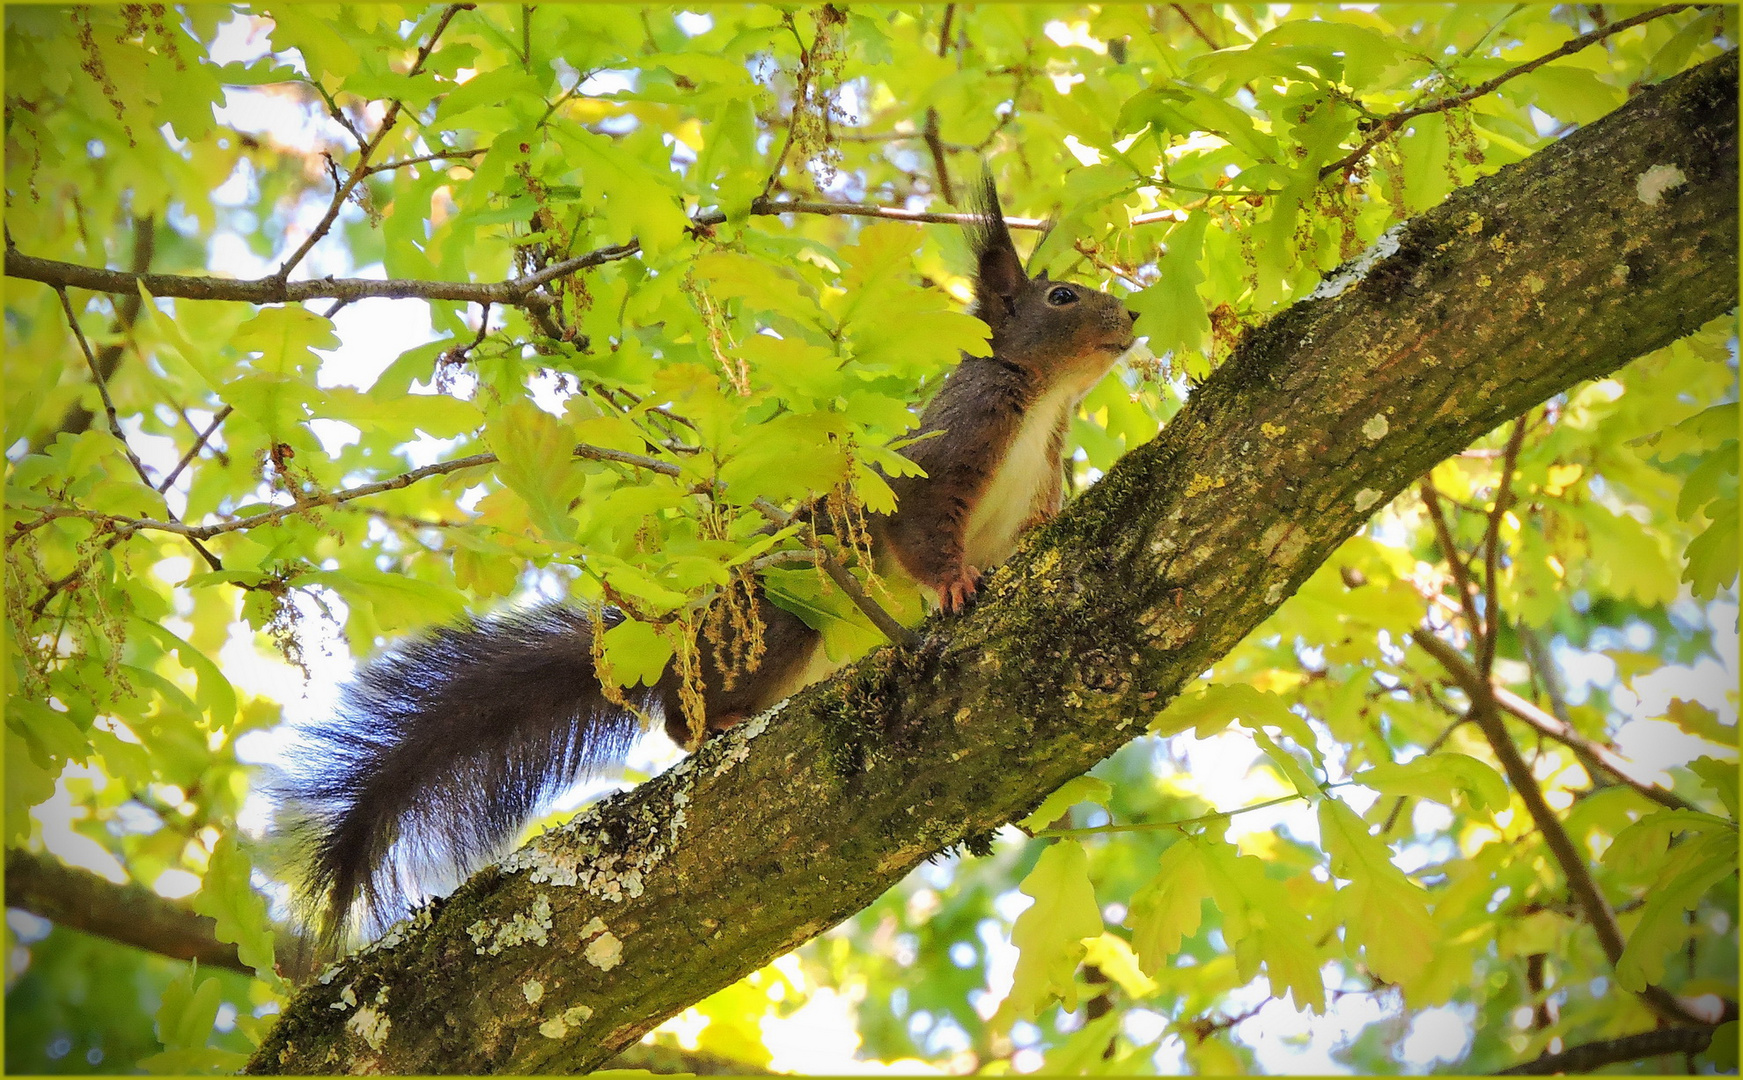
[[1061, 296]]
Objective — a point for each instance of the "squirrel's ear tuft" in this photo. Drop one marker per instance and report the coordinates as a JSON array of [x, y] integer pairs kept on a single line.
[[999, 277]]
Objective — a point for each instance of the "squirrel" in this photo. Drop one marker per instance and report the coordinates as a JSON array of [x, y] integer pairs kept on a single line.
[[444, 746]]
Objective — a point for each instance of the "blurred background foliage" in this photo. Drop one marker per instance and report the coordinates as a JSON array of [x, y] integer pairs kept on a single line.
[[1211, 162]]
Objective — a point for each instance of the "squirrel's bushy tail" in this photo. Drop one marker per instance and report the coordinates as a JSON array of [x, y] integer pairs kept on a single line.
[[441, 749]]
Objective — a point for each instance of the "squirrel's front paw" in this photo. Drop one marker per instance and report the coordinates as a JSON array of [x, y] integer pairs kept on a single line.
[[955, 592]]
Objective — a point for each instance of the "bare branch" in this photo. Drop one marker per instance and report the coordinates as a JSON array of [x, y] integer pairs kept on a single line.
[[1597, 910], [343, 190], [194, 450], [516, 292], [1579, 1059], [102, 387], [1492, 550], [1392, 123]]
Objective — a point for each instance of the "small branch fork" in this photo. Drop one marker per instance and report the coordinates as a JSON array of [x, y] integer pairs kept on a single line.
[[1395, 121], [342, 190], [1476, 680], [115, 422]]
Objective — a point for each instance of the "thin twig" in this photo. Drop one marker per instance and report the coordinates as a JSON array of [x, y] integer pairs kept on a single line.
[[934, 141], [77, 418], [114, 419], [1385, 128], [343, 191], [516, 292], [440, 155], [880, 618], [102, 388], [1594, 755], [1492, 550], [1460, 574], [1597, 752], [1184, 823], [193, 451], [1180, 10], [883, 620]]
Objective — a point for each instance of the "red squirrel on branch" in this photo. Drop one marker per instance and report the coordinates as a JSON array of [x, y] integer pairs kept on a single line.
[[444, 746]]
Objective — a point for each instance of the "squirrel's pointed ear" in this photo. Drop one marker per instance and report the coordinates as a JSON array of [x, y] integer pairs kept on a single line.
[[999, 277]]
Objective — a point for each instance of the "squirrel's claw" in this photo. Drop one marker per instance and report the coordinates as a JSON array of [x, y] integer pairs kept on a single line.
[[955, 593]]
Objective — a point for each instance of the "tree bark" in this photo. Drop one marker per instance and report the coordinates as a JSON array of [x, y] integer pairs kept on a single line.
[[130, 914], [1557, 269]]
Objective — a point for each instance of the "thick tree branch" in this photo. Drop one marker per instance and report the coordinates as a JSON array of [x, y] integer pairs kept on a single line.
[[791, 822], [130, 914]]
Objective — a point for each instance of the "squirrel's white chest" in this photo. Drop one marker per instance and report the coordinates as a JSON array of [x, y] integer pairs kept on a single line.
[[1022, 481]]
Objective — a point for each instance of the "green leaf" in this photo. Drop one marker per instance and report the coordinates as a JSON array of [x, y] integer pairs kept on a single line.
[[1437, 776], [1049, 934], [1722, 1051], [52, 736], [1298, 775], [28, 784], [1662, 927], [636, 652], [1208, 711], [1713, 555], [1385, 912], [1168, 908], [1265, 925], [286, 337], [1721, 776], [1568, 93], [1078, 789], [486, 90], [227, 895], [395, 602], [308, 28], [761, 286], [535, 462], [184, 1020], [847, 633], [1171, 313], [215, 694], [640, 200], [1645, 841]]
